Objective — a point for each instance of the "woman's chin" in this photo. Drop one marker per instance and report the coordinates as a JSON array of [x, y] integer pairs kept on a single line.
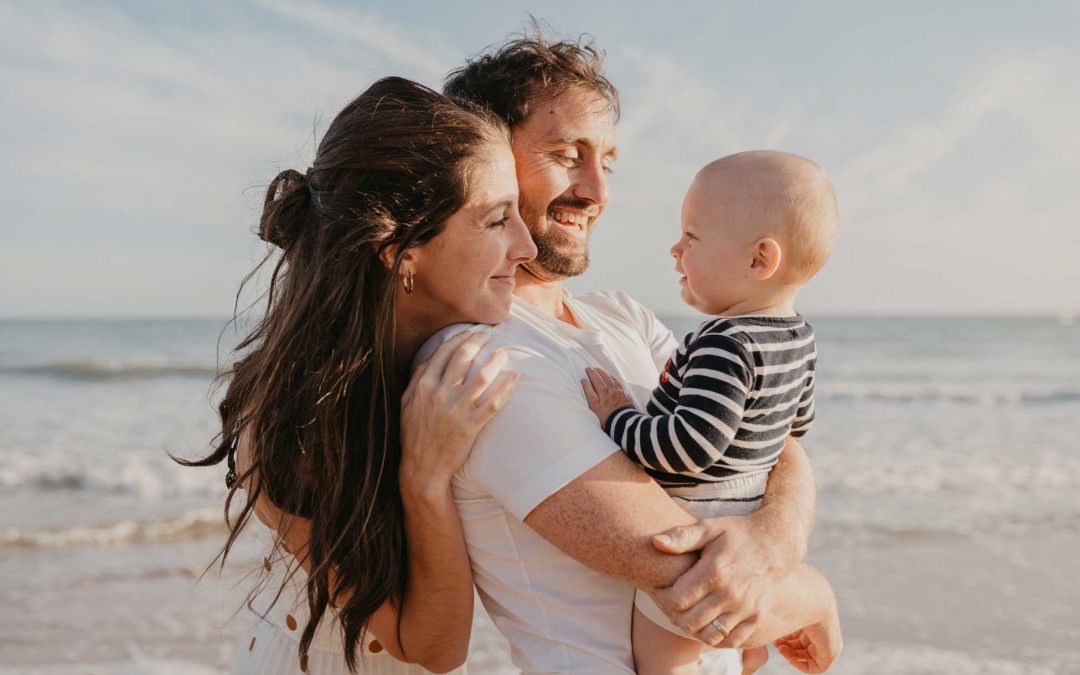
[[493, 313]]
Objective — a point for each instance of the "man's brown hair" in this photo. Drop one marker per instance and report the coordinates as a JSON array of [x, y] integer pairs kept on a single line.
[[529, 69]]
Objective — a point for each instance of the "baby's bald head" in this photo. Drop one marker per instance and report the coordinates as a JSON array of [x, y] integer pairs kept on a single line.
[[765, 193]]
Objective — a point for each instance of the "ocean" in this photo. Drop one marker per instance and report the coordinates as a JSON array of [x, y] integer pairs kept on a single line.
[[944, 449]]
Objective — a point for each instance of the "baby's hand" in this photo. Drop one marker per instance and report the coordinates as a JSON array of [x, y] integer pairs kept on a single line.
[[813, 649], [604, 393]]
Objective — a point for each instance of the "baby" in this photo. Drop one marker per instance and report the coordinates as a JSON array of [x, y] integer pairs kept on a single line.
[[756, 226]]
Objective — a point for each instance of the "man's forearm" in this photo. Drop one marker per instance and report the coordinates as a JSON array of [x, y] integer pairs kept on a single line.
[[606, 518], [803, 598], [789, 503]]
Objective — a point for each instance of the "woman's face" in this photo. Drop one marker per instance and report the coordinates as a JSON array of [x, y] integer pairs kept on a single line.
[[466, 273]]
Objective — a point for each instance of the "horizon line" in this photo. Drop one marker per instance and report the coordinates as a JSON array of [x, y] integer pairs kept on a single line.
[[673, 315]]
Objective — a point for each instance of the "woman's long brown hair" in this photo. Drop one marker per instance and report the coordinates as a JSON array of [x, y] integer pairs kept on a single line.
[[316, 387]]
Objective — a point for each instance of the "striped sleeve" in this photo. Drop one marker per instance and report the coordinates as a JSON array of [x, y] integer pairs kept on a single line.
[[804, 414], [716, 383]]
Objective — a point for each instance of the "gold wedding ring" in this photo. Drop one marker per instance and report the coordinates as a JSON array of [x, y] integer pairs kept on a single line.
[[719, 627]]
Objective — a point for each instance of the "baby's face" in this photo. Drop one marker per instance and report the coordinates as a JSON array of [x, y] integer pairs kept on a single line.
[[713, 251]]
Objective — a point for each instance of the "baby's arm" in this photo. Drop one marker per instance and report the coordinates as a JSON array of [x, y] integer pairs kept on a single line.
[[804, 415], [605, 394], [715, 387]]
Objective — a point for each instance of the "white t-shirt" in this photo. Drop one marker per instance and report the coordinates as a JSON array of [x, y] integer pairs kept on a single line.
[[558, 615]]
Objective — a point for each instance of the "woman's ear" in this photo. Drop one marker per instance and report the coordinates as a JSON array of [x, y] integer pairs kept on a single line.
[[390, 253], [766, 261]]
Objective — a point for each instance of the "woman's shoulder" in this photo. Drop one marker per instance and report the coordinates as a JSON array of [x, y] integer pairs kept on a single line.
[[433, 342], [512, 335]]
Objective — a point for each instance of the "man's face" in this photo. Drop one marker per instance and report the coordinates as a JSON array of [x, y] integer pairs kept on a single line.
[[563, 152]]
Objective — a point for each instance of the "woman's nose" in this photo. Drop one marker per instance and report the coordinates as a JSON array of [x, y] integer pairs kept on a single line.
[[522, 248]]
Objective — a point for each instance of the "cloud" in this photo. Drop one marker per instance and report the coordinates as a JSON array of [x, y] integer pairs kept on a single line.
[[131, 129], [964, 202], [128, 130], [971, 207], [1031, 88], [106, 98], [364, 28], [667, 99]]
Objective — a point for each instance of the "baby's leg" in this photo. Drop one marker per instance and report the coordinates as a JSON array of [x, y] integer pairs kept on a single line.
[[753, 659], [658, 651]]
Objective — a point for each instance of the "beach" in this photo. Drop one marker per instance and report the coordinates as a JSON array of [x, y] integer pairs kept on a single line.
[[944, 451]]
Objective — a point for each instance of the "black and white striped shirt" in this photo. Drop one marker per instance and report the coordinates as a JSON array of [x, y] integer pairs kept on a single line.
[[728, 398]]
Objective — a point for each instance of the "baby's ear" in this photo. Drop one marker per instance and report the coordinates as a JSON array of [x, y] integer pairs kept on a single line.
[[766, 260]]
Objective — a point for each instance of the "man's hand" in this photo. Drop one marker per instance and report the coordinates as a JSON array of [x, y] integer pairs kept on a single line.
[[813, 649], [732, 583], [604, 393]]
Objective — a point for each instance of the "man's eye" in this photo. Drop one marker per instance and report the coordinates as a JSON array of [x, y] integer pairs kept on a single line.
[[566, 160], [608, 170]]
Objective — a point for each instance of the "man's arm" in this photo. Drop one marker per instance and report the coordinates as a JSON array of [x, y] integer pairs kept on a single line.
[[606, 518], [787, 509], [745, 558], [577, 490]]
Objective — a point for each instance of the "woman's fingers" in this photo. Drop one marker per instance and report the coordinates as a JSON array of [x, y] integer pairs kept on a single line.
[[457, 366], [481, 379], [496, 396], [407, 395], [436, 365]]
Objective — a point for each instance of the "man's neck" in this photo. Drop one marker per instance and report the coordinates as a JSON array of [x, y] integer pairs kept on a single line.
[[546, 295]]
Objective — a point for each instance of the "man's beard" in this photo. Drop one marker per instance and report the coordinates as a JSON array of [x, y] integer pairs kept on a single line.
[[558, 255]]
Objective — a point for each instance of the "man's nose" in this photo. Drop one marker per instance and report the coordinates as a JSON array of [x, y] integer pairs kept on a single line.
[[591, 183]]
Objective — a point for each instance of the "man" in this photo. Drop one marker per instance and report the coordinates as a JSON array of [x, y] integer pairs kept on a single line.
[[560, 525]]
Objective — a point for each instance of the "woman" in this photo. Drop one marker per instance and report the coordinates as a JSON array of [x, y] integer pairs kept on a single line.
[[406, 223]]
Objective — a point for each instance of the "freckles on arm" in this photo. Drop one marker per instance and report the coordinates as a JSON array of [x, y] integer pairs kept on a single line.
[[606, 518]]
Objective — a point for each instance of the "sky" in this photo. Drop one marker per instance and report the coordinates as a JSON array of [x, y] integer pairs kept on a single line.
[[138, 138]]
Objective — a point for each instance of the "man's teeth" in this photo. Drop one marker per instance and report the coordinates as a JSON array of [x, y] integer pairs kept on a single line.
[[570, 218]]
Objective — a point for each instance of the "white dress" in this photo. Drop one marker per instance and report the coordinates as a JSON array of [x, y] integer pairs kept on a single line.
[[271, 645]]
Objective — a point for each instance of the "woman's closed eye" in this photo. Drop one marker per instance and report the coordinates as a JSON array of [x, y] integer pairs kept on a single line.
[[500, 223]]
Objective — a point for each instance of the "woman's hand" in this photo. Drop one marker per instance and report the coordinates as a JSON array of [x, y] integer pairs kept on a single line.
[[444, 408]]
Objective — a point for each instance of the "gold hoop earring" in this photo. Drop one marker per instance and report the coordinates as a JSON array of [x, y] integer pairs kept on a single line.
[[410, 282]]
